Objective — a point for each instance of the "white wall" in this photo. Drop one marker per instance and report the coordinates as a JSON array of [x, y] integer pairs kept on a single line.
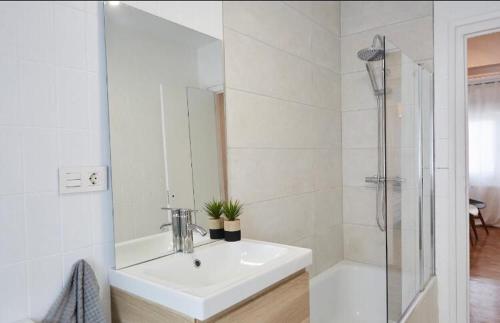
[[283, 122], [446, 14], [53, 112]]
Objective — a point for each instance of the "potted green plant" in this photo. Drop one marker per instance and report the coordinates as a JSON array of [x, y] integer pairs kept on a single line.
[[215, 224], [232, 210]]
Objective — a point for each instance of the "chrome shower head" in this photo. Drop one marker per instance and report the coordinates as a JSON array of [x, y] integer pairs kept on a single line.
[[373, 53], [370, 55]]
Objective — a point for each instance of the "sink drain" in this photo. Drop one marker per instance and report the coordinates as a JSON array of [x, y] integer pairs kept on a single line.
[[197, 263]]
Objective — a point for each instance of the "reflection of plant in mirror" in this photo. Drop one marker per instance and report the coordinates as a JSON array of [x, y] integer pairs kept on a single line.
[[214, 208], [232, 209]]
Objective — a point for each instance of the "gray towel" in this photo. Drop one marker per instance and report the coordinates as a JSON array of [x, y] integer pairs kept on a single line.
[[79, 299]]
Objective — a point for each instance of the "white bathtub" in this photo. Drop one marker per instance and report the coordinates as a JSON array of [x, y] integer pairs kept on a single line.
[[349, 292]]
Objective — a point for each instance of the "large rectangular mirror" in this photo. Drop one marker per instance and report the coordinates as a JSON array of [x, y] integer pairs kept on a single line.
[[167, 128]]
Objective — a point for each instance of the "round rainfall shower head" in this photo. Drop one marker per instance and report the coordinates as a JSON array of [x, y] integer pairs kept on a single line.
[[373, 53]]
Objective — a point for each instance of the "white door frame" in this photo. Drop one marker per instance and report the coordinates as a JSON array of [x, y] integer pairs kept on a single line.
[[459, 32]]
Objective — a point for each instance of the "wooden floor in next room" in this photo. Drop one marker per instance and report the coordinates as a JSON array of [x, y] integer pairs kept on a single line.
[[485, 277]]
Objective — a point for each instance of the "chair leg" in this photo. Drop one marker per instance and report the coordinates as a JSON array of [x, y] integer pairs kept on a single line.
[[482, 221], [473, 226]]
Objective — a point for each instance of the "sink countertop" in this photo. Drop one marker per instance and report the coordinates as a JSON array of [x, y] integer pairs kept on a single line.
[[229, 273]]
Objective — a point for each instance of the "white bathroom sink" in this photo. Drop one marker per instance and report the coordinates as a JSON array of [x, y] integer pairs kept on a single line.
[[139, 250], [228, 273]]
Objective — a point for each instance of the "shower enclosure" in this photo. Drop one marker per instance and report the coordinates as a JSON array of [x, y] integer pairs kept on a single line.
[[382, 290], [389, 254], [404, 181]]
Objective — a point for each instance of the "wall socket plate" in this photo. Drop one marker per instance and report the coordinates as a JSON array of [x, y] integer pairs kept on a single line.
[[83, 179]]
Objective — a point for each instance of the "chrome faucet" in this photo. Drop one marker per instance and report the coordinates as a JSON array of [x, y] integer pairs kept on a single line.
[[182, 230]]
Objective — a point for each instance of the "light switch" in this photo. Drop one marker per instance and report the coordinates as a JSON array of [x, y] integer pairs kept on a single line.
[[83, 179]]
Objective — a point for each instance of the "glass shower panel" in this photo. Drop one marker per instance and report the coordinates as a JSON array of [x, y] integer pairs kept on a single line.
[[403, 179], [427, 107], [404, 184]]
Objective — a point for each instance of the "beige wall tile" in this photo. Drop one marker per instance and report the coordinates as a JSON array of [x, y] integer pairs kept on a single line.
[[282, 220], [324, 13], [262, 174], [284, 123], [327, 209], [325, 88], [328, 248], [364, 244], [261, 121], [359, 205], [358, 164], [304, 242], [360, 129], [325, 48], [272, 22], [357, 91], [327, 168], [256, 67], [364, 15], [283, 27]]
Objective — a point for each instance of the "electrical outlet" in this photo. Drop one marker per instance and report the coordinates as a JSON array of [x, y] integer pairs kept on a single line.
[[94, 179], [83, 179]]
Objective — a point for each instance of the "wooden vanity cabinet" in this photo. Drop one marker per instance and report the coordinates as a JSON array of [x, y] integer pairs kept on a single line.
[[284, 302]]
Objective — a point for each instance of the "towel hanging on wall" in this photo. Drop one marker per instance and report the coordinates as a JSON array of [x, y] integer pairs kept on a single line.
[[79, 300]]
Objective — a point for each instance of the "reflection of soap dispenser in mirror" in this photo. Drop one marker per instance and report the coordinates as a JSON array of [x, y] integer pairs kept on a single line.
[[215, 221]]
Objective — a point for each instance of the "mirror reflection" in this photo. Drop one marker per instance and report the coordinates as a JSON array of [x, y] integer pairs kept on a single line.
[[167, 128]]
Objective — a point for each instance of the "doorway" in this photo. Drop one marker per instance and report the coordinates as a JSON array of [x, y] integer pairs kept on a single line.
[[483, 120]]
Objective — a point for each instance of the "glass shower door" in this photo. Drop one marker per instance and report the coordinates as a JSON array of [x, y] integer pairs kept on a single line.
[[408, 184]]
